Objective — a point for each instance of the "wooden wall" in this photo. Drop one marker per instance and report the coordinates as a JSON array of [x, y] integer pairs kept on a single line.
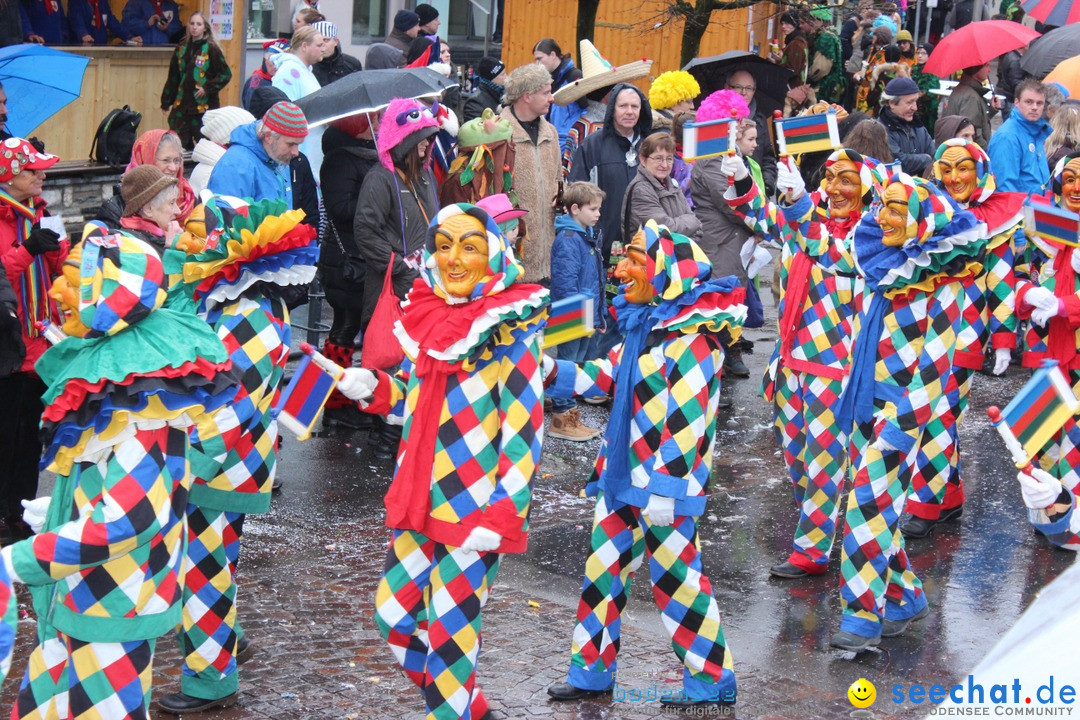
[[120, 75], [625, 31]]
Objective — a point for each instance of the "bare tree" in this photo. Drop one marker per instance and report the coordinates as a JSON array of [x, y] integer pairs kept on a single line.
[[586, 19], [695, 17]]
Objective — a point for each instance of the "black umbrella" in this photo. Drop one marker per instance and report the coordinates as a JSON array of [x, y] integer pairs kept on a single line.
[[772, 80], [1046, 52], [369, 91]]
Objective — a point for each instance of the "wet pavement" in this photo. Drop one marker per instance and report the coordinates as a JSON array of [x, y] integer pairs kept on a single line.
[[309, 568]]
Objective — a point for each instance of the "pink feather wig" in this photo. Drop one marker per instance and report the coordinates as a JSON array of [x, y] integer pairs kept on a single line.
[[720, 106]]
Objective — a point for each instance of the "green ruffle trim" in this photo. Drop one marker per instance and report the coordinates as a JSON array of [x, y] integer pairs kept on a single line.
[[939, 263], [164, 339]]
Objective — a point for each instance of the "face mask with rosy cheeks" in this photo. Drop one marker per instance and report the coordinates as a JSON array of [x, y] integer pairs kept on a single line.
[[1070, 185], [843, 186], [893, 216], [461, 254], [633, 271], [956, 169], [65, 291]]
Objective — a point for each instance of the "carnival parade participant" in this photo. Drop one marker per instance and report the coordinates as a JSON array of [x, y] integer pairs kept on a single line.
[[914, 256], [653, 468], [962, 169], [239, 260], [1053, 306], [471, 398], [822, 296], [105, 567]]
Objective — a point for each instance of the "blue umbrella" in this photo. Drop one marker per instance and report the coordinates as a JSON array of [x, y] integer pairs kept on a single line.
[[38, 82]]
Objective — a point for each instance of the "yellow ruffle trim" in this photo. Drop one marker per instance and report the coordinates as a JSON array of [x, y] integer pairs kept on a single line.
[[269, 231]]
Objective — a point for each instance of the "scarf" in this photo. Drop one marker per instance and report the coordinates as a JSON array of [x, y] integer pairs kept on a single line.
[[96, 20], [198, 53], [1060, 337], [435, 325], [34, 303], [496, 90]]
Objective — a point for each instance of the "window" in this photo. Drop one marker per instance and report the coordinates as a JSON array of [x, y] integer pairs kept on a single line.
[[369, 20]]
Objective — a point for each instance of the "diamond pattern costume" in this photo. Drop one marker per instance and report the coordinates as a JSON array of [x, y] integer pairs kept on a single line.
[[989, 319], [666, 380], [1058, 340], [902, 360], [469, 394], [819, 307], [105, 570], [233, 279]]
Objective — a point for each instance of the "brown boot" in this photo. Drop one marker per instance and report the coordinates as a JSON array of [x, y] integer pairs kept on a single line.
[[568, 426]]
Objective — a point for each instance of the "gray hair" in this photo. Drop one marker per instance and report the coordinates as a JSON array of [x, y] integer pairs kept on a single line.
[[164, 197], [529, 78]]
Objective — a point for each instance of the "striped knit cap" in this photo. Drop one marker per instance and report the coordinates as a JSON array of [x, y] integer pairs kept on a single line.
[[325, 28], [120, 281], [287, 119], [986, 184]]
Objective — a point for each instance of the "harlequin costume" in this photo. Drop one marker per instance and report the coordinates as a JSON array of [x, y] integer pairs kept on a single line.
[[469, 394], [988, 319], [105, 569], [902, 359], [820, 302], [194, 64], [658, 443], [1058, 339], [234, 278]]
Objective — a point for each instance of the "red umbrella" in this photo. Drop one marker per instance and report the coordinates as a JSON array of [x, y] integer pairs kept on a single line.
[[1053, 12], [977, 43]]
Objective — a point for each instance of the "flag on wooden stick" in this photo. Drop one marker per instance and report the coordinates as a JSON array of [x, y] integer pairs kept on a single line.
[[709, 139], [569, 319], [1050, 222], [807, 133], [1037, 413], [302, 402]]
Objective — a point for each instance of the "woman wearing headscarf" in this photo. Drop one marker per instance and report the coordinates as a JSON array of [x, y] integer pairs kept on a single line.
[[163, 149]]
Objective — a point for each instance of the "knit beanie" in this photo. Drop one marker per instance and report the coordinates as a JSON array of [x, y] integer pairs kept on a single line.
[[285, 118], [218, 124], [899, 87], [139, 186], [490, 68], [406, 20], [426, 13], [325, 28]]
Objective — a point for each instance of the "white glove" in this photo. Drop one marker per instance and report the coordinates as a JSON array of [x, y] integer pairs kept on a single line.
[[733, 166], [1002, 358], [5, 558], [789, 181], [883, 446], [481, 540], [357, 383], [547, 364], [661, 511], [1040, 489], [1038, 297], [1042, 315], [34, 512]]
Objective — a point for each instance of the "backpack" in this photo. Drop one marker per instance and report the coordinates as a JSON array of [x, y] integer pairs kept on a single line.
[[115, 136]]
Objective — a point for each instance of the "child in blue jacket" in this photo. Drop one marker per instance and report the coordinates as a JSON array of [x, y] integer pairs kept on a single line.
[[577, 266]]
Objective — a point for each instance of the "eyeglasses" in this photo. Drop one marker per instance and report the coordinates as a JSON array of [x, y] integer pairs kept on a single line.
[[742, 88], [661, 159]]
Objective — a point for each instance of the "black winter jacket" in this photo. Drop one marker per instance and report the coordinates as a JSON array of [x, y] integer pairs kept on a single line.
[[346, 162], [475, 104], [335, 67], [389, 219], [610, 160], [910, 142]]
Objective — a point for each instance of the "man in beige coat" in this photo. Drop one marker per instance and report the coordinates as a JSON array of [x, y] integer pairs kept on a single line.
[[536, 165]]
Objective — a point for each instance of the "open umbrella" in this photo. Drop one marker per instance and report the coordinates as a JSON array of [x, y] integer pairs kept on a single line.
[[1067, 74], [38, 82], [1053, 12], [369, 91], [975, 44], [772, 80], [1050, 50]]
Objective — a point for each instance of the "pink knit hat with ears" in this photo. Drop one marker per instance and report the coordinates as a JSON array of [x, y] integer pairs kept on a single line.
[[403, 125]]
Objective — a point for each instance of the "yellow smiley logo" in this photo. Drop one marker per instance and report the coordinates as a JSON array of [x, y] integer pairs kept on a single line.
[[862, 693]]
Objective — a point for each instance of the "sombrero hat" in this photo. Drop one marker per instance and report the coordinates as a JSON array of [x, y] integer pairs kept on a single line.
[[596, 73]]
